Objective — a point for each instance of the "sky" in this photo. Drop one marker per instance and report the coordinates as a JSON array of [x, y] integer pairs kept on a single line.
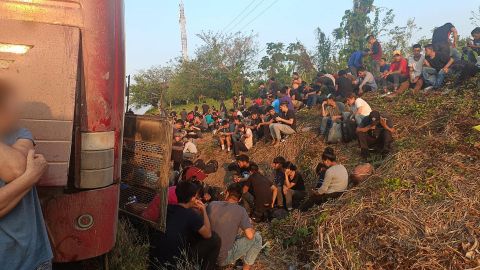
[[153, 32]]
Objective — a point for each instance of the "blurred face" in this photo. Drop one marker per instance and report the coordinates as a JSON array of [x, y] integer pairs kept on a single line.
[[397, 57], [271, 112], [382, 62], [476, 36], [331, 102], [284, 108], [350, 101], [371, 40], [276, 166], [417, 51], [243, 164], [428, 51], [361, 74], [9, 114]]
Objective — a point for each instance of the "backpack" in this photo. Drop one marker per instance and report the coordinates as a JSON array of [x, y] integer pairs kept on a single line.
[[211, 167], [334, 134], [348, 130], [199, 163]]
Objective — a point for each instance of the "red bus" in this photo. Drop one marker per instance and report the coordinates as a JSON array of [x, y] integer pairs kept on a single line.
[[68, 57]]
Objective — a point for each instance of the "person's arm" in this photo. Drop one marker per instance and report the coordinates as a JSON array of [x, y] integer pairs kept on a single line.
[[455, 37], [205, 231], [366, 129], [13, 159], [288, 184], [426, 63], [12, 193], [447, 66], [324, 112], [326, 183], [385, 125], [288, 122]]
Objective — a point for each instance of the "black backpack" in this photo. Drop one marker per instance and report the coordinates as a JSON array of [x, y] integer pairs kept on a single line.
[[211, 167], [349, 128]]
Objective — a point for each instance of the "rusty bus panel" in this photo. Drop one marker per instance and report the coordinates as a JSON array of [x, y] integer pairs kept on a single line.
[[147, 146]]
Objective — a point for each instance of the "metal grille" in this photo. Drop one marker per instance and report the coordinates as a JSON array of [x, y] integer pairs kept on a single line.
[[145, 165]]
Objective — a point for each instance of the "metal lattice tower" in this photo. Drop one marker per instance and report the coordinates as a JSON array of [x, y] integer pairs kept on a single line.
[[183, 32]]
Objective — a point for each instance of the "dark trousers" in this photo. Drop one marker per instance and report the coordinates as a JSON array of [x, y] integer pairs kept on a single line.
[[397, 79], [382, 143], [239, 146], [266, 132], [315, 199], [207, 250], [255, 206]]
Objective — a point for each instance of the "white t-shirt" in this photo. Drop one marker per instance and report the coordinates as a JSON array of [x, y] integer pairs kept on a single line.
[[362, 107], [417, 65], [190, 147], [248, 138], [330, 76]]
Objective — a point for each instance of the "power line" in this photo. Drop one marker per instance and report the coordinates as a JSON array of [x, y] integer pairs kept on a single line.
[[248, 14], [240, 14], [260, 14]]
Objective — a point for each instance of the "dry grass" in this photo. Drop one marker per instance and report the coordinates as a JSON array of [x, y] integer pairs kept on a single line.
[[421, 209]]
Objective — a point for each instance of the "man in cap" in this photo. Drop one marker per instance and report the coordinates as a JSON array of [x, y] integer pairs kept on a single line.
[[399, 73], [375, 131]]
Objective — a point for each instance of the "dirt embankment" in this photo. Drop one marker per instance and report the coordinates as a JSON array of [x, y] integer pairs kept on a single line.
[[420, 210]]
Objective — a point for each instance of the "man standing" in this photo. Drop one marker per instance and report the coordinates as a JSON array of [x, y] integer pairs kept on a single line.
[[376, 53], [415, 64], [205, 107], [356, 61], [227, 219], [375, 131], [285, 124], [24, 241], [441, 40]]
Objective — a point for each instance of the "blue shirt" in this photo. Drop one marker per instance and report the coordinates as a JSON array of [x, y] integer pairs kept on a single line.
[[384, 68], [24, 243], [276, 105], [355, 59], [289, 100]]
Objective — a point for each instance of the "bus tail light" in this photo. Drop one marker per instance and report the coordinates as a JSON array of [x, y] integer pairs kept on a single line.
[[97, 160]]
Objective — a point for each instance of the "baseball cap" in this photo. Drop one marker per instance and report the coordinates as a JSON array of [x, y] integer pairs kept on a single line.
[[195, 172], [397, 52], [374, 116]]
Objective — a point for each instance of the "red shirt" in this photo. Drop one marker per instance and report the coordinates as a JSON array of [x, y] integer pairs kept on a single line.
[[152, 212], [402, 65]]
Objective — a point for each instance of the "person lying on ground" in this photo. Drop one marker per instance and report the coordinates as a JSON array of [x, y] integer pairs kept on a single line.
[[225, 135], [269, 119], [436, 67], [278, 177], [24, 240], [415, 64], [257, 193], [331, 112], [367, 81], [245, 142], [186, 231], [399, 74], [285, 124], [334, 184], [228, 218], [293, 189], [359, 108], [375, 131]]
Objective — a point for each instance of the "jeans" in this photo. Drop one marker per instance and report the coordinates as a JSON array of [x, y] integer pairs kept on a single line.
[[312, 100], [278, 129], [354, 71], [432, 77], [359, 118], [325, 124], [290, 197], [45, 266], [246, 249]]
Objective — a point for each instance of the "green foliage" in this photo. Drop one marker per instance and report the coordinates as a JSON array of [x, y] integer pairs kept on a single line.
[[130, 251], [475, 19], [300, 235], [150, 86], [395, 184], [323, 50]]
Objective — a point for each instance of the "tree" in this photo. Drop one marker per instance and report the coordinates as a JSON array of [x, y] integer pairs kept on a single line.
[[323, 49], [401, 36], [150, 86], [475, 19]]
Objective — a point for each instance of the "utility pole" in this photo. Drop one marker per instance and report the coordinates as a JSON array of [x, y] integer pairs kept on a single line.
[[183, 31], [127, 93]]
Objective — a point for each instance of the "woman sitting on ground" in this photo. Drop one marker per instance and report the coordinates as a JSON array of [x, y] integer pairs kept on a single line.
[[334, 184], [293, 187]]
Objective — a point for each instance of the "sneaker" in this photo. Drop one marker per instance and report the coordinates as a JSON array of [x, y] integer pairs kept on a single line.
[[428, 88], [223, 147]]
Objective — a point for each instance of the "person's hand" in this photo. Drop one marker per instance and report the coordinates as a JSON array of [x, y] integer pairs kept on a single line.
[[383, 122], [324, 102], [36, 165], [278, 118], [236, 179], [285, 190], [372, 127], [207, 197], [445, 69], [199, 205]]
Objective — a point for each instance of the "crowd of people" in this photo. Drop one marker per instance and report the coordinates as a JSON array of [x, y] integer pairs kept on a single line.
[[270, 119]]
